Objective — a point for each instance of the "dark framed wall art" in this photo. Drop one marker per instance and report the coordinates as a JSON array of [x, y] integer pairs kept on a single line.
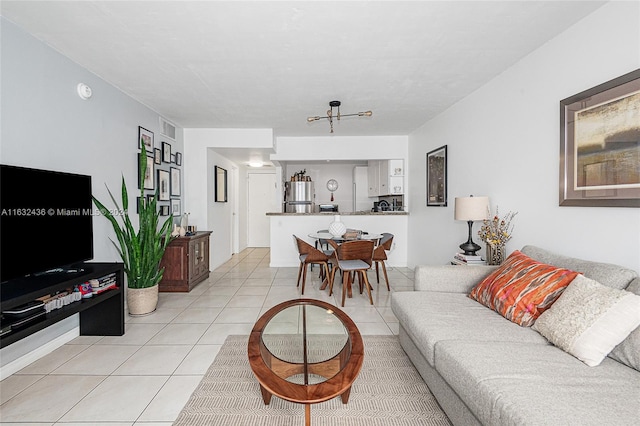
[[220, 184], [164, 182], [145, 139], [600, 145], [166, 152], [175, 181], [437, 177], [148, 174], [175, 207]]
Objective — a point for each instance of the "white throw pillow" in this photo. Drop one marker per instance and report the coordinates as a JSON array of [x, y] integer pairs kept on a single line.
[[589, 319]]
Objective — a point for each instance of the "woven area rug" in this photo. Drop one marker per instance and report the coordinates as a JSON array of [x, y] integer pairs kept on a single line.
[[388, 391]]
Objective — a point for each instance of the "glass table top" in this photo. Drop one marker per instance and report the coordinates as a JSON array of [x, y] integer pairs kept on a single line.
[[328, 236], [306, 334]]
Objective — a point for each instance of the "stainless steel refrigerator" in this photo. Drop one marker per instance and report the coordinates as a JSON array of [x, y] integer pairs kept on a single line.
[[299, 197]]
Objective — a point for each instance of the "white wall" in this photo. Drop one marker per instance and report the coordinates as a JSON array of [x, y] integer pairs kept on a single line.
[[503, 142], [219, 215], [197, 143], [341, 148], [200, 155], [46, 125]]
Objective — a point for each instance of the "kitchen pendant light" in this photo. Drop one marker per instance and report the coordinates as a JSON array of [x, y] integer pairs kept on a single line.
[[330, 115]]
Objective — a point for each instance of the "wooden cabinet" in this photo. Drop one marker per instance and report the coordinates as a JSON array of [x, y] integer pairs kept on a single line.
[[185, 262]]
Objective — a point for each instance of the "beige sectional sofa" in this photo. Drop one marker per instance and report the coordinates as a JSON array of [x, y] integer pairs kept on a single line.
[[485, 369]]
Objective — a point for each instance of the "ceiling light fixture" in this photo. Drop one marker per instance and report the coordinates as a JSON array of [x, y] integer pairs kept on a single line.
[[330, 116]]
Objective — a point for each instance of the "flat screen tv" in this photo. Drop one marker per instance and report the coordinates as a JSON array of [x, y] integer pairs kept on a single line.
[[46, 221]]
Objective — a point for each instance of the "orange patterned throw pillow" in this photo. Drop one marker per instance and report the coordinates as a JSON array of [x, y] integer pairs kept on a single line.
[[522, 288]]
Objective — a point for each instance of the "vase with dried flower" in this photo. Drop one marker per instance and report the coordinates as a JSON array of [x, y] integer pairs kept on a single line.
[[495, 232]]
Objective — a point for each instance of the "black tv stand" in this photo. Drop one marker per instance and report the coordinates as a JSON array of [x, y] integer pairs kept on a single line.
[[55, 271], [100, 315]]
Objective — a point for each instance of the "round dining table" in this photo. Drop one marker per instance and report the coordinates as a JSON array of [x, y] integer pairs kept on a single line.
[[341, 239]]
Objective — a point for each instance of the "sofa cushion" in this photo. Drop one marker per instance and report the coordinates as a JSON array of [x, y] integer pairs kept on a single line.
[[432, 317], [449, 278], [522, 288], [628, 352], [589, 319], [605, 273], [511, 383]]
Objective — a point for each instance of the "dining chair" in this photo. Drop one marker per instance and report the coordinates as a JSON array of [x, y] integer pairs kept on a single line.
[[324, 246], [380, 255], [310, 255], [353, 258]]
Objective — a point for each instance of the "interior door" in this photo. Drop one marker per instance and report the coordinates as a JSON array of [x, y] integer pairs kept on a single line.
[[262, 199]]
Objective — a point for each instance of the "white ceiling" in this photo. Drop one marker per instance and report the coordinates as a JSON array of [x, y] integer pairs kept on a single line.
[[270, 64]]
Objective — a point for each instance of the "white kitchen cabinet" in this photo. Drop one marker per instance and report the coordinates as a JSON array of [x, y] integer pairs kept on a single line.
[[396, 177], [386, 177], [373, 177], [383, 180]]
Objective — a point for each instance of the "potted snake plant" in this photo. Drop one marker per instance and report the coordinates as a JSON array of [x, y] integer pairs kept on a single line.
[[140, 249]]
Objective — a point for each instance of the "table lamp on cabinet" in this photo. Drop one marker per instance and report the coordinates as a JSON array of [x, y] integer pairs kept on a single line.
[[471, 209]]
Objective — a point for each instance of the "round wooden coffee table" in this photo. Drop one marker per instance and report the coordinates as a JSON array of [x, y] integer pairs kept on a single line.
[[305, 351]]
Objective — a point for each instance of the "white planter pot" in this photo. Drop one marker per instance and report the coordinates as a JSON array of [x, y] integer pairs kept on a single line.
[[142, 301]]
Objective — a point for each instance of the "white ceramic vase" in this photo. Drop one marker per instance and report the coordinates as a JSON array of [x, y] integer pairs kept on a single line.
[[337, 228]]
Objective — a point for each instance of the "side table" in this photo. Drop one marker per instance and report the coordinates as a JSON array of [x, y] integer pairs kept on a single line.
[[185, 262]]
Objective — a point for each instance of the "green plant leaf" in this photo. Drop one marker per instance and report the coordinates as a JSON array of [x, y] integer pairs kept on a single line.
[[141, 250]]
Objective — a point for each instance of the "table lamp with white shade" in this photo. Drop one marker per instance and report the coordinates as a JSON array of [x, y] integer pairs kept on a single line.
[[470, 209]]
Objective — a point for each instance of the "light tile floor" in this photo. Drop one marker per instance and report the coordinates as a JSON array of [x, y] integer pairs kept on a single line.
[[146, 376]]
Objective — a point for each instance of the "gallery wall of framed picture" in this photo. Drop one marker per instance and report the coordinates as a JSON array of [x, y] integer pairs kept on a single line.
[[163, 176]]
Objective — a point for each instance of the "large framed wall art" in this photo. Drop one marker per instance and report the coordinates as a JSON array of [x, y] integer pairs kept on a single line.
[[600, 145], [437, 177]]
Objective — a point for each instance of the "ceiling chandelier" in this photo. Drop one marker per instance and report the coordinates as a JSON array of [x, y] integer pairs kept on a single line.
[[330, 116]]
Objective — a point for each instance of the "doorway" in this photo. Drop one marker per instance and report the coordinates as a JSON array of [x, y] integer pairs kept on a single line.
[[262, 198], [235, 226]]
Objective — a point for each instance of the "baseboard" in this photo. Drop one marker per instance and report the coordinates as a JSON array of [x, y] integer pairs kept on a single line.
[[20, 363]]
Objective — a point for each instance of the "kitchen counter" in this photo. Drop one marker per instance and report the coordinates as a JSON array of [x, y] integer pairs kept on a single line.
[[361, 213]]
